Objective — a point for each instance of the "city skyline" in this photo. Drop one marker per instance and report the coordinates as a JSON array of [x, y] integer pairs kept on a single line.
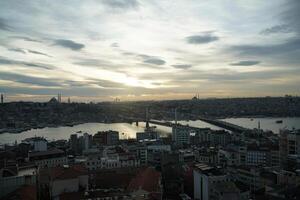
[[148, 50]]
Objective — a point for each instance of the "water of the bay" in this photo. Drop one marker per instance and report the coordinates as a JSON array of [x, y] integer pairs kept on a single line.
[[273, 124], [129, 130]]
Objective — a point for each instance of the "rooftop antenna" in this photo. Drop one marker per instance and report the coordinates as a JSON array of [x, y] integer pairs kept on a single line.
[[175, 116]]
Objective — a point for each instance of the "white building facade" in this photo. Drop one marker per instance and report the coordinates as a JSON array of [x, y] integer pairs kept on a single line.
[[204, 179]]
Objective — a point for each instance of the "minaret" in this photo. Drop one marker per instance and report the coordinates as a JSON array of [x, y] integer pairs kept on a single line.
[[59, 97], [175, 116], [69, 100], [147, 117]]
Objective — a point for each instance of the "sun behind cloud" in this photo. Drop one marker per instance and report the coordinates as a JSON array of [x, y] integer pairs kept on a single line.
[[139, 49]]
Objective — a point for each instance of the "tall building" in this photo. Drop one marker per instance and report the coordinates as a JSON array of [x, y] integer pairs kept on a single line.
[[172, 175], [2, 98], [149, 134], [106, 137], [205, 179], [84, 142], [257, 156], [283, 148], [289, 144], [294, 142], [112, 137], [142, 153], [87, 141], [74, 143], [181, 135]]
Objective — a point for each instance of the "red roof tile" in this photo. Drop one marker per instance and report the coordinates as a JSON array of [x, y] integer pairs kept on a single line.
[[28, 193], [70, 172], [113, 179], [61, 173], [147, 179], [25, 193]]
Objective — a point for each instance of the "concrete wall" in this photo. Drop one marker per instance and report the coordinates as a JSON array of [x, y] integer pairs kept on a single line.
[[10, 184]]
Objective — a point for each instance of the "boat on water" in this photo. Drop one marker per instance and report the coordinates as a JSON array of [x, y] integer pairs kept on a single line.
[[70, 125], [279, 122], [79, 132]]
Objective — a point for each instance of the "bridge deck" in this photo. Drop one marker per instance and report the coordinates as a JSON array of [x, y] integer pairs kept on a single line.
[[219, 123]]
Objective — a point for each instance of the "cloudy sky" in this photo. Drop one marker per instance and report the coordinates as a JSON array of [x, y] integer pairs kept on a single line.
[[97, 50]]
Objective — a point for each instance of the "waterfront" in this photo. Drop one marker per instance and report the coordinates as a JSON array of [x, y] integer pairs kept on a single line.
[[267, 123], [125, 130], [129, 130], [64, 132]]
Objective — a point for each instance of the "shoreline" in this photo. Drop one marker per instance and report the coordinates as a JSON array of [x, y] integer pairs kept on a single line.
[[20, 130]]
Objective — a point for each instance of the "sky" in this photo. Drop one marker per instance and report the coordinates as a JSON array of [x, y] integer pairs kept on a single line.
[[99, 50]]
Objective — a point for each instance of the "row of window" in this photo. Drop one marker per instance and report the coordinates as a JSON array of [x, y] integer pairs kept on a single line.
[[52, 161]]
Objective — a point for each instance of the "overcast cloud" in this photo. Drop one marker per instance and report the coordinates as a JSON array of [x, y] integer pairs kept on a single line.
[[140, 49]]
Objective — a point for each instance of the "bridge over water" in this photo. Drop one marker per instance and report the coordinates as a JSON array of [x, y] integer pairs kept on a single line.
[[225, 125], [219, 123], [170, 124], [215, 122]]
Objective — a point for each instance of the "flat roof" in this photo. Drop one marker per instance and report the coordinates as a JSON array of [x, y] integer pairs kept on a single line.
[[45, 153], [208, 170]]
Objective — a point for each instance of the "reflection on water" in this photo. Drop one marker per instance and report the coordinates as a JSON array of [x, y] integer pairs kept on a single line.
[[129, 130], [125, 130], [200, 124]]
